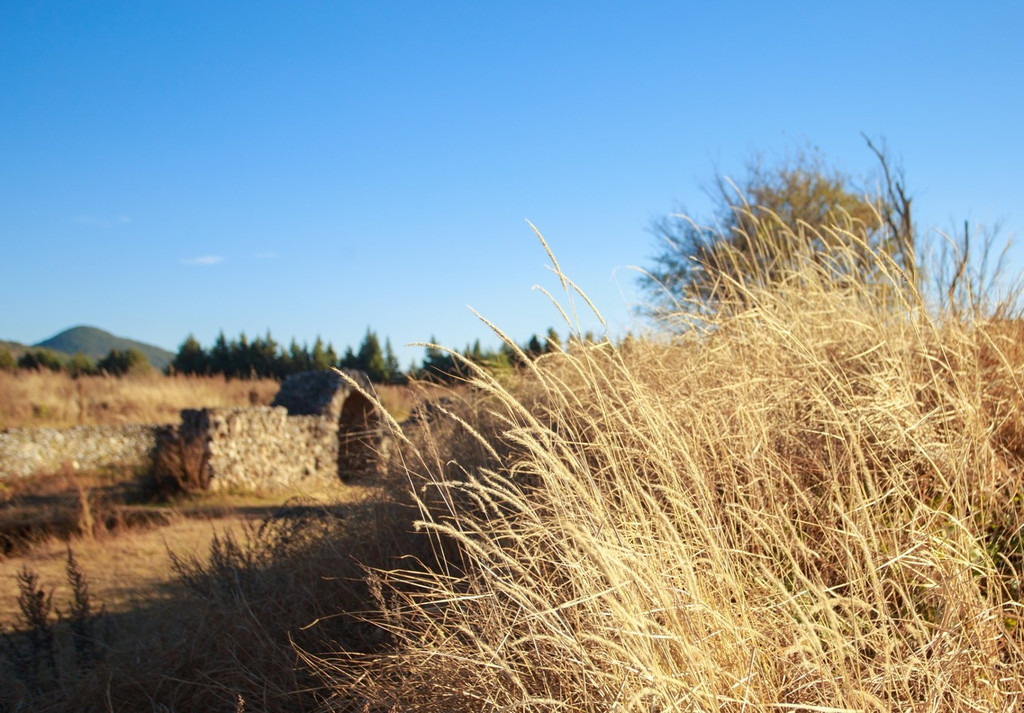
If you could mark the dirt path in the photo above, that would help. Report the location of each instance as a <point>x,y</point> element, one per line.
<point>121,569</point>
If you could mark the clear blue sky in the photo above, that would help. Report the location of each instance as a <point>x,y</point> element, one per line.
<point>315,168</point>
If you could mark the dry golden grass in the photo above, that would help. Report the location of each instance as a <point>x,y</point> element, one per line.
<point>131,564</point>
<point>30,398</point>
<point>44,398</point>
<point>397,400</point>
<point>810,500</point>
<point>123,569</point>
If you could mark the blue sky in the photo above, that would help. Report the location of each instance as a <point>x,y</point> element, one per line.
<point>316,168</point>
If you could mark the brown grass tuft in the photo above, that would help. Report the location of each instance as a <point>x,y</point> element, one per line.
<point>807,500</point>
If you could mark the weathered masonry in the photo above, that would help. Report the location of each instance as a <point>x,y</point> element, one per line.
<point>359,428</point>
<point>317,430</point>
<point>24,451</point>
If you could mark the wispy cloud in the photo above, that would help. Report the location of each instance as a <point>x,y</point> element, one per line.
<point>265,256</point>
<point>103,221</point>
<point>203,260</point>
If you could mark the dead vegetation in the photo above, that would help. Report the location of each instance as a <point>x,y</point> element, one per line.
<point>809,498</point>
<point>44,398</point>
<point>803,496</point>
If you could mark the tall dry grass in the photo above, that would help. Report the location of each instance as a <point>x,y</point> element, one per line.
<point>805,495</point>
<point>43,398</point>
<point>810,498</point>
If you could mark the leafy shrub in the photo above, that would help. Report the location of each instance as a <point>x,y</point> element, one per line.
<point>39,359</point>
<point>81,365</point>
<point>120,363</point>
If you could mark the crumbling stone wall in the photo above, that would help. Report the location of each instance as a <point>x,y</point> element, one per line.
<point>360,431</point>
<point>25,451</point>
<point>262,447</point>
<point>319,393</point>
<point>319,429</point>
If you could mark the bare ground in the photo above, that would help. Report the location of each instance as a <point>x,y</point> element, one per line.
<point>132,567</point>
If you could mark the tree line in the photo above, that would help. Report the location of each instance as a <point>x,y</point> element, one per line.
<point>444,365</point>
<point>117,362</point>
<point>263,357</point>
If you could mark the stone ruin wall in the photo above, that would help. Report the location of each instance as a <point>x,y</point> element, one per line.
<point>25,451</point>
<point>262,447</point>
<point>318,430</point>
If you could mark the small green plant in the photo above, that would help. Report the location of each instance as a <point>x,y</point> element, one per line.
<point>42,411</point>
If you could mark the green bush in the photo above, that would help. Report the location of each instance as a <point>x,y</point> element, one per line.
<point>81,365</point>
<point>119,363</point>
<point>39,359</point>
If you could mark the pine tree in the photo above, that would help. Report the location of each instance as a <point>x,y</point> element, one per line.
<point>263,360</point>
<point>533,347</point>
<point>392,370</point>
<point>553,343</point>
<point>220,356</point>
<point>319,358</point>
<point>438,365</point>
<point>191,358</point>
<point>370,358</point>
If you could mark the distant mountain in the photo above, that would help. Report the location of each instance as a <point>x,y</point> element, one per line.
<point>96,344</point>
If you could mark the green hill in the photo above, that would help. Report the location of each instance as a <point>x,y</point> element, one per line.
<point>96,344</point>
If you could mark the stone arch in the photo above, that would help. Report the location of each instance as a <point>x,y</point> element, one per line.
<point>359,437</point>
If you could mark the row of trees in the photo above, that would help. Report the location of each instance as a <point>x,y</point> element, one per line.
<point>440,364</point>
<point>263,357</point>
<point>117,362</point>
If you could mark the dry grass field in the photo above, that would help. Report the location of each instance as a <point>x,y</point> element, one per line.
<point>801,494</point>
<point>43,398</point>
